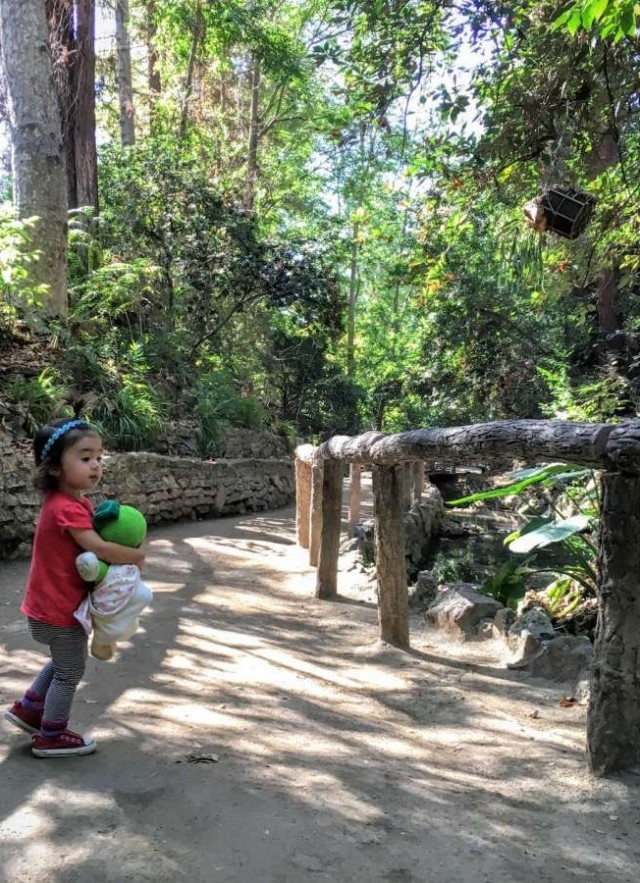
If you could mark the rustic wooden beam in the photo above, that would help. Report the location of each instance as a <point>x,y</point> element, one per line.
<point>355,495</point>
<point>391,568</point>
<point>317,472</point>
<point>613,718</point>
<point>534,441</point>
<point>327,573</point>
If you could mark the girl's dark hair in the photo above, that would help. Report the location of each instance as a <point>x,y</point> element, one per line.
<point>48,455</point>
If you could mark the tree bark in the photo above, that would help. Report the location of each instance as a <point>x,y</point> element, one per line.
<point>72,38</point>
<point>125,85</point>
<point>391,568</point>
<point>254,134</point>
<point>327,575</point>
<point>84,79</point>
<point>40,186</point>
<point>613,723</point>
<point>154,80</point>
<point>351,303</point>
<point>188,86</point>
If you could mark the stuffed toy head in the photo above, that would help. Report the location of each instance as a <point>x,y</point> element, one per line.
<point>120,524</point>
<point>115,524</point>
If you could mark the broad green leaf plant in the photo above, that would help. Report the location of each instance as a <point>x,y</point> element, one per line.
<point>570,524</point>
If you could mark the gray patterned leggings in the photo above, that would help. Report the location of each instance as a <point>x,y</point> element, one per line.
<point>57,682</point>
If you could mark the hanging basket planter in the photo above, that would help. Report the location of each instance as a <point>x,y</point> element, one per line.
<point>562,210</point>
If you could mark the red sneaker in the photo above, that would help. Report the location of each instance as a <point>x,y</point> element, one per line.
<point>65,744</point>
<point>23,718</point>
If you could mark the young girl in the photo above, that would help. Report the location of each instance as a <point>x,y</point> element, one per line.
<point>68,455</point>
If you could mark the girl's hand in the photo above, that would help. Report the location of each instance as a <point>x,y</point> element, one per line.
<point>112,553</point>
<point>138,557</point>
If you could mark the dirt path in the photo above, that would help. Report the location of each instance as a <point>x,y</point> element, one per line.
<point>338,760</point>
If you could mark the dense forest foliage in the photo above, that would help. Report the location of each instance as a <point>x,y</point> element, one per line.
<point>308,215</point>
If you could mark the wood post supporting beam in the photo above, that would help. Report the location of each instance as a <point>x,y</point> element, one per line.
<point>303,499</point>
<point>317,472</point>
<point>355,495</point>
<point>613,719</point>
<point>327,575</point>
<point>393,601</point>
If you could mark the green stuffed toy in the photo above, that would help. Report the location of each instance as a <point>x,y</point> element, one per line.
<point>112,607</point>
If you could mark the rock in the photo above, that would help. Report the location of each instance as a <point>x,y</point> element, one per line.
<point>582,687</point>
<point>527,637</point>
<point>502,622</point>
<point>424,592</point>
<point>460,609</point>
<point>565,658</point>
<point>484,629</point>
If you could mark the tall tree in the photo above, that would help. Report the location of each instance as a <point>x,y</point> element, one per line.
<point>125,87</point>
<point>40,187</point>
<point>72,39</point>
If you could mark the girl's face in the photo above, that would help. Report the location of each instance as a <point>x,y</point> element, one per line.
<point>81,466</point>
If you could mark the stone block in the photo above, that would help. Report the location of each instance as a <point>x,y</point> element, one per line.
<point>459,609</point>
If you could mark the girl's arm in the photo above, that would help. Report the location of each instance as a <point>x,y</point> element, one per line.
<point>112,553</point>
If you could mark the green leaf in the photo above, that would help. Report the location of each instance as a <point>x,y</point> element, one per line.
<point>574,23</point>
<point>549,533</point>
<point>599,8</point>
<point>534,524</point>
<point>525,478</point>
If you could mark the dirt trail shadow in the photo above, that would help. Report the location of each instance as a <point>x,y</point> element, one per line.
<point>251,733</point>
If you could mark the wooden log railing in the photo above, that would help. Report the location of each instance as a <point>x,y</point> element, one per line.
<point>398,462</point>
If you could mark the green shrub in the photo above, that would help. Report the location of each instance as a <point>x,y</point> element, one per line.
<point>40,398</point>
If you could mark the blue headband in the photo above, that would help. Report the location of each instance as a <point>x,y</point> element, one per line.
<point>58,434</point>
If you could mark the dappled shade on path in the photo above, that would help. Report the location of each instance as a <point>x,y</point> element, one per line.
<point>337,758</point>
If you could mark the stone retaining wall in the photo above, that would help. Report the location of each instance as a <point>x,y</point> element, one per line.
<point>164,488</point>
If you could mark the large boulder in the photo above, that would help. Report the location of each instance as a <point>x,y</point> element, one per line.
<point>462,610</point>
<point>527,637</point>
<point>565,658</point>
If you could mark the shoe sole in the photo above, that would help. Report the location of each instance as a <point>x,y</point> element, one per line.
<point>64,752</point>
<point>17,722</point>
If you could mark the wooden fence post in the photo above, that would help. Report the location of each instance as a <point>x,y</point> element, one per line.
<point>393,600</point>
<point>613,720</point>
<point>417,482</point>
<point>355,494</point>
<point>303,494</point>
<point>317,473</point>
<point>327,574</point>
<point>406,486</point>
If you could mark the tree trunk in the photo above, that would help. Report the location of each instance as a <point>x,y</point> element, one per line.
<point>607,298</point>
<point>613,724</point>
<point>40,186</point>
<point>154,81</point>
<point>84,98</point>
<point>125,87</point>
<point>391,568</point>
<point>254,134</point>
<point>72,38</point>
<point>188,86</point>
<point>351,303</point>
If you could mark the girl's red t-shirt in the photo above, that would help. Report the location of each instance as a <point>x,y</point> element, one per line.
<point>54,586</point>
